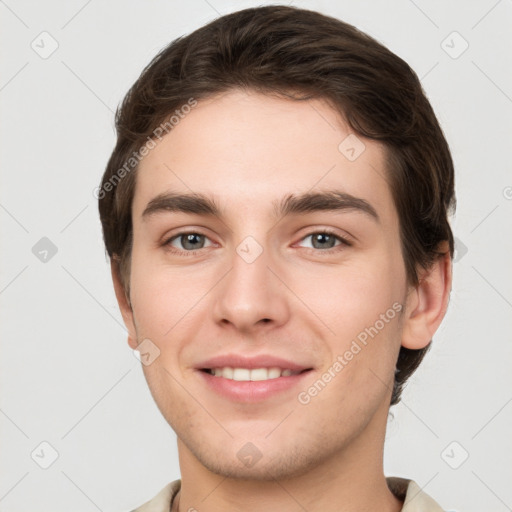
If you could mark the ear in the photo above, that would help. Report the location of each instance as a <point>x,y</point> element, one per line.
<point>427,302</point>
<point>123,302</point>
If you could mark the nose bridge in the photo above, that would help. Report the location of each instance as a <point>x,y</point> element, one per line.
<point>250,293</point>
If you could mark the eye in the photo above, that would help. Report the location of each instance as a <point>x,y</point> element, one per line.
<point>325,240</point>
<point>187,242</point>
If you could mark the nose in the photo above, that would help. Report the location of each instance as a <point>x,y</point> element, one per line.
<point>252,297</point>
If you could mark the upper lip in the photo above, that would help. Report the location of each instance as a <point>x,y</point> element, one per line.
<point>259,361</point>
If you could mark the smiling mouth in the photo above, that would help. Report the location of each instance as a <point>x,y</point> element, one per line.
<point>252,374</point>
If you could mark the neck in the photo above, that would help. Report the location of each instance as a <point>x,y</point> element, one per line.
<point>351,479</point>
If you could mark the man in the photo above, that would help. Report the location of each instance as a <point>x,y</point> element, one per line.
<point>275,211</point>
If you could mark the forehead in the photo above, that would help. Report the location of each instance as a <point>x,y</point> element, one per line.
<point>250,150</point>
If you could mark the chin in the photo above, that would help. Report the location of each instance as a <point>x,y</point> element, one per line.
<point>286,462</point>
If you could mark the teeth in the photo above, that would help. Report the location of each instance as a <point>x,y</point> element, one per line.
<point>241,374</point>
<point>255,374</point>
<point>274,373</point>
<point>259,374</point>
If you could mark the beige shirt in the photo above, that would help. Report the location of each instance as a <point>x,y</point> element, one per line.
<point>415,500</point>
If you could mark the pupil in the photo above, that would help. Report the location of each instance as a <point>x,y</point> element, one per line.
<point>322,238</point>
<point>190,239</point>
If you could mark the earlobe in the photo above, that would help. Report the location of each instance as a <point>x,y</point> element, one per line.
<point>123,302</point>
<point>427,303</point>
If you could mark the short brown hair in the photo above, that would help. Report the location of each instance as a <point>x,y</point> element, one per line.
<point>299,54</point>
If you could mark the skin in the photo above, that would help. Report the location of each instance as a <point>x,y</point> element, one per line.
<point>246,150</point>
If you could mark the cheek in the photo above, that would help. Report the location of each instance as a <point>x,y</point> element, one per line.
<point>169,305</point>
<point>361,304</point>
<point>160,296</point>
<point>352,298</point>
<point>150,301</point>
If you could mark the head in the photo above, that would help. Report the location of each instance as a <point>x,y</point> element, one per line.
<point>256,106</point>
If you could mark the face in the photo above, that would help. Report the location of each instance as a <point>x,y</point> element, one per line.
<point>290,273</point>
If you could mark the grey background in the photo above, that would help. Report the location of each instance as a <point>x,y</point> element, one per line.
<point>68,377</point>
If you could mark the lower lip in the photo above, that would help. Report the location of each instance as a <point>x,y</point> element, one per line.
<point>252,391</point>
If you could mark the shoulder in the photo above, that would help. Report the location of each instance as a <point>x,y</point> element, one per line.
<point>414,498</point>
<point>162,501</point>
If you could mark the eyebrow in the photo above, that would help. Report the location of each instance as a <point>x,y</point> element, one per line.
<point>308,202</point>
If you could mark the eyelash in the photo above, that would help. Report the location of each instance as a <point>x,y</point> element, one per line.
<point>344,242</point>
